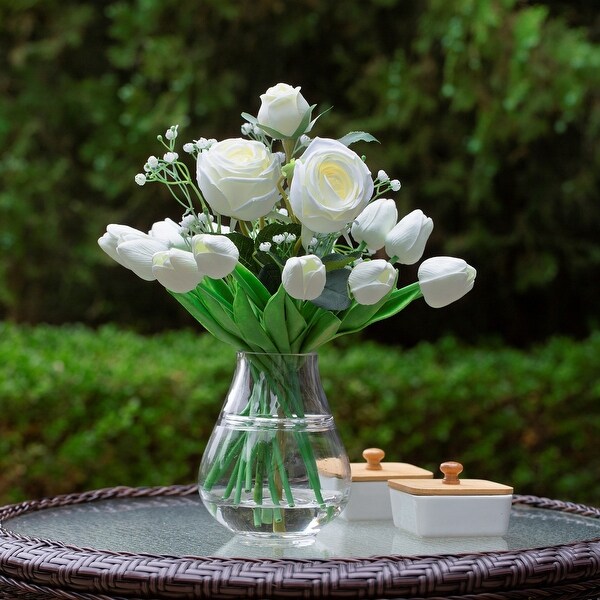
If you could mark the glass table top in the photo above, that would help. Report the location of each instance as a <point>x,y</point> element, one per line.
<point>181,526</point>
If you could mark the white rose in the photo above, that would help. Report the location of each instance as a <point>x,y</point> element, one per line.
<point>303,277</point>
<point>444,279</point>
<point>238,178</point>
<point>374,223</point>
<point>176,270</point>
<point>330,187</point>
<point>215,255</point>
<point>283,108</point>
<point>406,241</point>
<point>371,280</point>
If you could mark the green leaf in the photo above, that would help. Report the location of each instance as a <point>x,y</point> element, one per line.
<point>270,276</point>
<point>252,286</point>
<point>296,324</point>
<point>274,321</point>
<point>323,329</point>
<point>339,261</point>
<point>398,300</point>
<point>249,324</point>
<point>245,247</point>
<point>357,136</point>
<point>193,304</point>
<point>335,295</point>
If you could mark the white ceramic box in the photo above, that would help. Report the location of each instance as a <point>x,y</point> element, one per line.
<point>369,493</point>
<point>451,507</point>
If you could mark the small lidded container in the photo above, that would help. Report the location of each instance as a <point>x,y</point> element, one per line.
<point>369,495</point>
<point>451,507</point>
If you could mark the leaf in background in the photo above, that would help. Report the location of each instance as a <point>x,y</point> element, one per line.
<point>245,247</point>
<point>335,295</point>
<point>357,136</point>
<point>270,277</point>
<point>339,261</point>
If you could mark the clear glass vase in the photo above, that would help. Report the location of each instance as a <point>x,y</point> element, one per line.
<point>275,467</point>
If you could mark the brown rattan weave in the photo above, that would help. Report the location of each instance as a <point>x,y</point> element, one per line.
<point>41,569</point>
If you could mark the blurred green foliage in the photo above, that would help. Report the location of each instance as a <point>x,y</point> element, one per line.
<point>84,409</point>
<point>487,110</point>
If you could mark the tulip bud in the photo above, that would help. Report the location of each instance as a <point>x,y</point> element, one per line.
<point>216,255</point>
<point>406,241</point>
<point>374,223</point>
<point>114,236</point>
<point>444,279</point>
<point>136,254</point>
<point>169,232</point>
<point>371,280</point>
<point>304,277</point>
<point>176,270</point>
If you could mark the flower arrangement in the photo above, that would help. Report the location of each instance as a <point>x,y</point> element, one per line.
<point>279,250</point>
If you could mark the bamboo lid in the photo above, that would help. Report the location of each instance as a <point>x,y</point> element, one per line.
<point>450,485</point>
<point>375,470</point>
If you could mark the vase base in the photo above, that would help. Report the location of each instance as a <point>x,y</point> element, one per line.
<point>276,541</point>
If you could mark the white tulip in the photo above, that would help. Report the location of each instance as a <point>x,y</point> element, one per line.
<point>283,108</point>
<point>215,255</point>
<point>238,178</point>
<point>136,254</point>
<point>167,231</point>
<point>303,277</point>
<point>444,279</point>
<point>406,241</point>
<point>371,280</point>
<point>374,223</point>
<point>114,236</point>
<point>331,186</point>
<point>176,270</point>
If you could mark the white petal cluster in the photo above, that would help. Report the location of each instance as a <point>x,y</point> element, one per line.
<point>331,186</point>
<point>238,178</point>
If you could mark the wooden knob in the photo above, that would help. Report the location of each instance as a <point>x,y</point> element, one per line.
<point>451,470</point>
<point>373,456</point>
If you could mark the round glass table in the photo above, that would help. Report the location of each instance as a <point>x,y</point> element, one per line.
<point>162,543</point>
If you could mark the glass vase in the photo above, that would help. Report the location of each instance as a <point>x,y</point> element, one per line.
<point>275,467</point>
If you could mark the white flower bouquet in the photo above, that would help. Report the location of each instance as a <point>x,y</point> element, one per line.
<point>279,252</point>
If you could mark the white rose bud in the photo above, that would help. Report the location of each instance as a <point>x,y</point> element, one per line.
<point>216,255</point>
<point>374,223</point>
<point>371,280</point>
<point>238,178</point>
<point>303,277</point>
<point>283,108</point>
<point>444,279</point>
<point>406,241</point>
<point>176,270</point>
<point>331,186</point>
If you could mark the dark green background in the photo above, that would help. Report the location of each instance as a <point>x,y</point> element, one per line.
<point>488,111</point>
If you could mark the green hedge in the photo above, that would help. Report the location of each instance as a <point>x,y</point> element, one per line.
<point>83,409</point>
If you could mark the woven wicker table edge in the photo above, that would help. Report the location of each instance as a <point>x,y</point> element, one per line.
<point>89,573</point>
